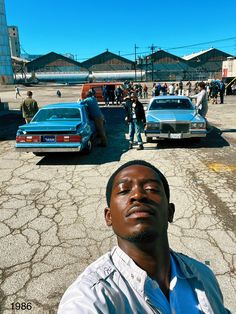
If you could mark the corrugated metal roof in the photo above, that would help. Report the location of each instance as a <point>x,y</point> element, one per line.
<point>196,54</point>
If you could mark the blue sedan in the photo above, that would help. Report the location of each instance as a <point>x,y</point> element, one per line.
<point>64,127</point>
<point>173,117</point>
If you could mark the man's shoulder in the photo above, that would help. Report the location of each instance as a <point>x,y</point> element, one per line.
<point>96,271</point>
<point>192,266</point>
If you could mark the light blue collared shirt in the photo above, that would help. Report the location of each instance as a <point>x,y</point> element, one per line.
<point>182,299</point>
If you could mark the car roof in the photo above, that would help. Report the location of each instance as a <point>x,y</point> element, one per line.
<point>170,97</point>
<point>63,105</point>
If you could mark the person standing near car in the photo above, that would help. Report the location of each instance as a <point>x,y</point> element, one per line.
<point>29,107</point>
<point>222,91</point>
<point>135,116</point>
<point>96,115</point>
<point>201,103</point>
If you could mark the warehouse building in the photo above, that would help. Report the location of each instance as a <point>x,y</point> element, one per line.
<point>164,66</point>
<point>207,64</point>
<point>54,62</point>
<point>108,61</point>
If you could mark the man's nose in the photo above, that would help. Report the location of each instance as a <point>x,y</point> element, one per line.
<point>138,193</point>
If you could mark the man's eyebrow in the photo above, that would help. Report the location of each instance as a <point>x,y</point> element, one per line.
<point>148,180</point>
<point>152,180</point>
<point>121,181</point>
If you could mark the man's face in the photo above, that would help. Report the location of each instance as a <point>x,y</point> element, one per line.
<point>139,208</point>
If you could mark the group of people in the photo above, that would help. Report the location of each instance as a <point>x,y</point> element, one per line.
<point>111,95</point>
<point>171,89</point>
<point>118,94</point>
<point>215,88</point>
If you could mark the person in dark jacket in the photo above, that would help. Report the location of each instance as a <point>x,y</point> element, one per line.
<point>135,116</point>
<point>29,107</point>
<point>222,91</point>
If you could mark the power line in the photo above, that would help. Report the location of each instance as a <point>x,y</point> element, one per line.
<point>204,43</point>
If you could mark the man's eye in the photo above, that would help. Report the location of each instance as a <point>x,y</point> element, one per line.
<point>123,191</point>
<point>153,189</point>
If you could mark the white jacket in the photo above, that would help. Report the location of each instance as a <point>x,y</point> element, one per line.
<point>102,289</point>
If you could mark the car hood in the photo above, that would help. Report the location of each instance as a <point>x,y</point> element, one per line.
<point>51,126</point>
<point>173,115</point>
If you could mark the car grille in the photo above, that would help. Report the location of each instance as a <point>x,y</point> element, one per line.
<point>174,128</point>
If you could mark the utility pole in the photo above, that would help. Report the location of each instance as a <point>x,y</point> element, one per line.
<point>152,51</point>
<point>135,62</point>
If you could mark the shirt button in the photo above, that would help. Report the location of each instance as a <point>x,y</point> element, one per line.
<point>132,276</point>
<point>139,279</point>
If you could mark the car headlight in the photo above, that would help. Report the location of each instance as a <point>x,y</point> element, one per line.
<point>153,126</point>
<point>198,125</point>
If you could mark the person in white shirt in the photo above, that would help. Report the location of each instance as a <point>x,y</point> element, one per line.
<point>171,89</point>
<point>201,103</point>
<point>142,274</point>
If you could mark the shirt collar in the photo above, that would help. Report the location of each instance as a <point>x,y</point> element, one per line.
<point>127,267</point>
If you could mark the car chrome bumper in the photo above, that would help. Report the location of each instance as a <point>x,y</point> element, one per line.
<point>175,135</point>
<point>47,150</point>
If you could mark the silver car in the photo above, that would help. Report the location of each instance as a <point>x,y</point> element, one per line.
<point>173,117</point>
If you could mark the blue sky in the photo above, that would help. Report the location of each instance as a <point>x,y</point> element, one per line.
<point>87,28</point>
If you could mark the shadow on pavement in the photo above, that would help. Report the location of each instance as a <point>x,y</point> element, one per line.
<point>228,131</point>
<point>9,123</point>
<point>117,144</point>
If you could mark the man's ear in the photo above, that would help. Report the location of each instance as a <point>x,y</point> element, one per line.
<point>171,212</point>
<point>108,217</point>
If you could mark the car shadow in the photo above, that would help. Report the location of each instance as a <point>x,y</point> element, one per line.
<point>117,144</point>
<point>228,130</point>
<point>214,139</point>
<point>9,123</point>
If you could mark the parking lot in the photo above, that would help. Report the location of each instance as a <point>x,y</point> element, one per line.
<point>51,208</point>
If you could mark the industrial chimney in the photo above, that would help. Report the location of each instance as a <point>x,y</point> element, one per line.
<point>6,73</point>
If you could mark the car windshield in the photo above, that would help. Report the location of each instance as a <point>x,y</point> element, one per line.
<point>166,104</point>
<point>57,114</point>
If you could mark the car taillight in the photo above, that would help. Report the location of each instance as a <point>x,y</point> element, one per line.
<point>68,138</point>
<point>28,139</point>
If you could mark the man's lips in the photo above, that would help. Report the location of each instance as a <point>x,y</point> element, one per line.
<point>140,210</point>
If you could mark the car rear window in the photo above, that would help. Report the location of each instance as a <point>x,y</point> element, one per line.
<point>166,104</point>
<point>57,114</point>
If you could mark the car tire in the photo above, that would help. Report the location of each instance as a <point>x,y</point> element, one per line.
<point>87,150</point>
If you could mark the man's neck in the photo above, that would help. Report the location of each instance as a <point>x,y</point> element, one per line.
<point>153,258</point>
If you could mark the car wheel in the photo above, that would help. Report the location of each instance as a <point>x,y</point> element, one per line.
<point>149,139</point>
<point>87,150</point>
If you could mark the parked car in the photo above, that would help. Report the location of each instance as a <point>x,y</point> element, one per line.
<point>173,117</point>
<point>63,127</point>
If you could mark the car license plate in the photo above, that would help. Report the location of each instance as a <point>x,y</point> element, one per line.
<point>49,139</point>
<point>176,135</point>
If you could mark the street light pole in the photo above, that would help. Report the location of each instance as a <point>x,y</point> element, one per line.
<point>135,62</point>
<point>152,50</point>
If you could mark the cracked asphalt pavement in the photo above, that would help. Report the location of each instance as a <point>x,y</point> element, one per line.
<point>51,208</point>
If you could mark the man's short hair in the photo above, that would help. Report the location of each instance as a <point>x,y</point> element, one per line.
<point>202,85</point>
<point>141,163</point>
<point>29,93</point>
<point>89,93</point>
